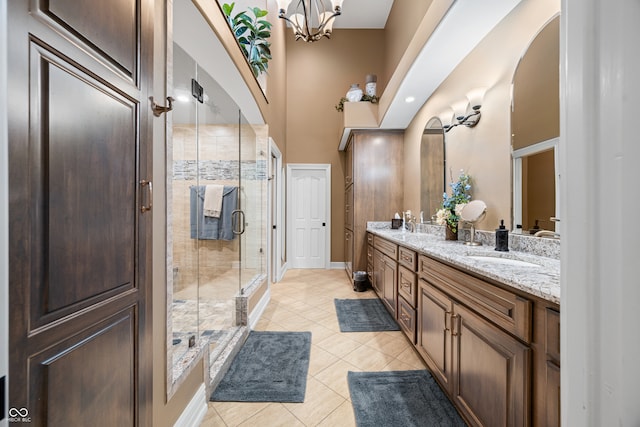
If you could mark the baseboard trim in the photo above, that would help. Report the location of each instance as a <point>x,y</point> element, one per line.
<point>195,411</point>
<point>256,313</point>
<point>337,265</point>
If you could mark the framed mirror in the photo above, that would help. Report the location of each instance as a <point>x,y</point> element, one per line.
<point>536,186</point>
<point>535,128</point>
<point>432,168</point>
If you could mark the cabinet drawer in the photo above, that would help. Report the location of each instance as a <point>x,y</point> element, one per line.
<point>369,239</point>
<point>552,339</point>
<point>408,285</point>
<point>386,247</point>
<point>369,254</point>
<point>407,319</point>
<point>408,258</point>
<point>506,309</point>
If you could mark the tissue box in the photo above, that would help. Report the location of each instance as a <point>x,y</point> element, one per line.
<point>396,223</point>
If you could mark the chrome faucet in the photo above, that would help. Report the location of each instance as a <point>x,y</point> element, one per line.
<point>410,224</point>
<point>547,233</point>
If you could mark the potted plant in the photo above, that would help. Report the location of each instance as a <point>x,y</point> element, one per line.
<point>449,213</point>
<point>252,34</point>
<point>372,99</point>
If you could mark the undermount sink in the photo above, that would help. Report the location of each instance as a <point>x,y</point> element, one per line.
<point>503,261</point>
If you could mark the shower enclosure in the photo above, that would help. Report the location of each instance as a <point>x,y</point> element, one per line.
<point>217,168</point>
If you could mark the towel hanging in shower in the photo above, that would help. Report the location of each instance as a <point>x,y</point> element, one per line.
<point>209,228</point>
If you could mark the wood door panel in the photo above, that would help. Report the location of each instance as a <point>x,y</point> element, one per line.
<point>103,26</point>
<point>85,147</point>
<point>491,371</point>
<point>88,377</point>
<point>434,334</point>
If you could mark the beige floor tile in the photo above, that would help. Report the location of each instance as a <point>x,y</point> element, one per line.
<point>304,300</point>
<point>213,419</point>
<point>391,345</point>
<point>342,417</point>
<point>320,359</point>
<point>319,401</point>
<point>339,344</point>
<point>396,365</point>
<point>274,415</point>
<point>368,359</point>
<point>335,377</point>
<point>362,337</point>
<point>234,413</point>
<point>319,332</point>
<point>410,357</point>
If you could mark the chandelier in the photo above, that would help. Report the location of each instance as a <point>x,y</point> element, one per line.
<point>311,20</point>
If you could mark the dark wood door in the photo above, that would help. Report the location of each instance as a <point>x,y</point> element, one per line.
<point>390,282</point>
<point>491,372</point>
<point>79,153</point>
<point>434,331</point>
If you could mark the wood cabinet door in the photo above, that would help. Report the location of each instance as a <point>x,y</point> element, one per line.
<point>552,393</point>
<point>390,286</point>
<point>434,333</point>
<point>378,272</point>
<point>80,251</point>
<point>348,252</point>
<point>491,372</point>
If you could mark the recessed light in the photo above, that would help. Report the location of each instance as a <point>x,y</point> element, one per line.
<point>409,99</point>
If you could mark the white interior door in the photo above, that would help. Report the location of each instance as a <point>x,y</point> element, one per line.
<point>309,213</point>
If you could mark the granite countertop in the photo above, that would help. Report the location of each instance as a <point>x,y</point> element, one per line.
<point>534,274</point>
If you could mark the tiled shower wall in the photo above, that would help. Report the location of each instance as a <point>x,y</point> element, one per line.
<point>218,162</point>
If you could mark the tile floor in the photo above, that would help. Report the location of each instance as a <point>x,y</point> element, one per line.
<point>303,301</point>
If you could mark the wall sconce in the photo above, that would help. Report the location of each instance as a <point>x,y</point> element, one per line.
<point>471,116</point>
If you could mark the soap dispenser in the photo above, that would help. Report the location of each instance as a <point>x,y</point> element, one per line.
<point>502,238</point>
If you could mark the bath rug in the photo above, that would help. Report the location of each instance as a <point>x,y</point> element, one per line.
<point>364,315</point>
<point>270,367</point>
<point>400,398</point>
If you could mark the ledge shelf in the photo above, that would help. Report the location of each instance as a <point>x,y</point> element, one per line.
<point>358,115</point>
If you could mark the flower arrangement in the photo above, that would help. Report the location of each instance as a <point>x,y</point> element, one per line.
<point>449,212</point>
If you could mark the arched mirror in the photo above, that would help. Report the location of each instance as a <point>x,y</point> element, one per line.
<point>432,167</point>
<point>535,128</point>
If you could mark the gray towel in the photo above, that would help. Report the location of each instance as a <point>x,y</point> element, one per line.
<point>208,228</point>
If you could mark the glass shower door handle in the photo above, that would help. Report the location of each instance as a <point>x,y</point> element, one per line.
<point>238,214</point>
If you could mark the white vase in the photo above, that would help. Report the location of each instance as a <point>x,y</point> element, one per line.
<point>354,94</point>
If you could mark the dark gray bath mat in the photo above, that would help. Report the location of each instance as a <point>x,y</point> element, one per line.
<point>400,398</point>
<point>364,315</point>
<point>270,367</point>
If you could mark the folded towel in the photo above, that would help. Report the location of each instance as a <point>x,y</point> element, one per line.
<point>213,200</point>
<point>208,228</point>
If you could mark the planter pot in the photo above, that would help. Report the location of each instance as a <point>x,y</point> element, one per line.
<point>449,234</point>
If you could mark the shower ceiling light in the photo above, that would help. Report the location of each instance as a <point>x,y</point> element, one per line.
<point>311,20</point>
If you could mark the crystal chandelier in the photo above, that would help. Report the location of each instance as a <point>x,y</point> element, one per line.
<point>311,20</point>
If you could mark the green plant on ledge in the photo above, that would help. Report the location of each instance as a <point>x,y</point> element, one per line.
<point>252,35</point>
<point>371,99</point>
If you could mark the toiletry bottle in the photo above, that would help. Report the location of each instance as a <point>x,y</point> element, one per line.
<point>502,238</point>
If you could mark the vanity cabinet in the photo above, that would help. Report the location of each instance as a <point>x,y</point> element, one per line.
<point>373,188</point>
<point>484,369</point>
<point>494,349</point>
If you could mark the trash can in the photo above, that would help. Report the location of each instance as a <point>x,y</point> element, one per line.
<point>360,281</point>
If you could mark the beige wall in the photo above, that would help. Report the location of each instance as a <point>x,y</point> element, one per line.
<point>404,18</point>
<point>318,75</point>
<point>277,79</point>
<point>483,151</point>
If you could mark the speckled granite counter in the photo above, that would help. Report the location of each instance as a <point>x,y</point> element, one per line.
<point>540,277</point>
